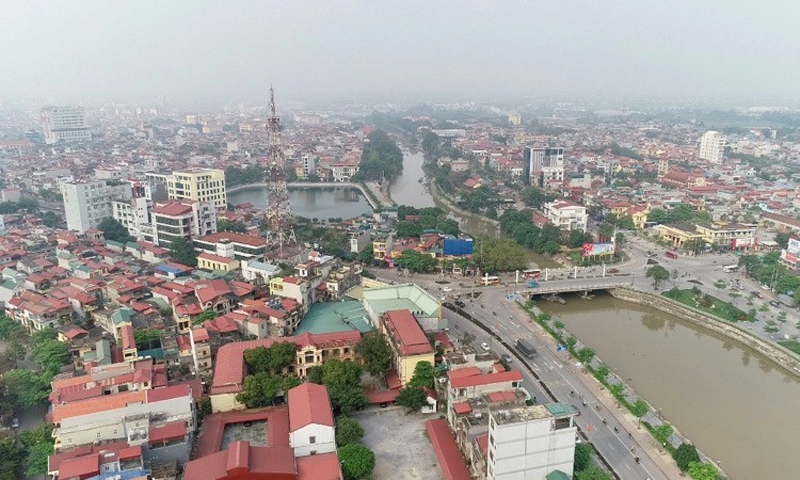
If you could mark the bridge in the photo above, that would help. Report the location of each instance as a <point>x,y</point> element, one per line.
<point>586,284</point>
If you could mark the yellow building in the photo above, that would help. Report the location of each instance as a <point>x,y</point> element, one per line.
<point>731,235</point>
<point>678,234</point>
<point>209,261</point>
<point>201,184</point>
<point>638,215</point>
<point>408,342</point>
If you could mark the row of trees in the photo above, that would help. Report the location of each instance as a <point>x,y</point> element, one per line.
<point>546,240</point>
<point>25,204</point>
<point>430,218</point>
<point>768,271</point>
<point>381,157</point>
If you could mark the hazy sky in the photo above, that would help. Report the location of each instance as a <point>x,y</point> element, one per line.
<point>434,50</point>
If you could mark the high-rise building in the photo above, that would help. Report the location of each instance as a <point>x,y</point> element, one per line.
<point>201,184</point>
<point>134,213</point>
<point>182,219</point>
<point>65,124</point>
<point>712,147</point>
<point>542,166</point>
<point>86,204</point>
<point>514,119</point>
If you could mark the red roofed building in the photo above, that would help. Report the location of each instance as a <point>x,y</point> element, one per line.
<point>311,427</point>
<point>409,343</point>
<point>182,219</point>
<point>451,462</point>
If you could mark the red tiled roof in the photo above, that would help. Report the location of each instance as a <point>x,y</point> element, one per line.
<point>450,460</point>
<point>200,335</point>
<point>486,379</point>
<point>80,467</point>
<point>497,397</point>
<point>277,424</point>
<point>407,333</point>
<point>173,208</point>
<point>128,340</point>
<point>170,431</point>
<point>233,237</point>
<point>463,372</point>
<point>319,467</point>
<point>483,443</point>
<point>240,459</point>
<point>216,258</point>
<point>309,403</point>
<point>375,397</point>
<point>462,407</point>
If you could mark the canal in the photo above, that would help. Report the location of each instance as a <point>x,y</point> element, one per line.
<point>734,404</point>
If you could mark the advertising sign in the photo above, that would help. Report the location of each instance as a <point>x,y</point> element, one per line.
<point>794,245</point>
<point>742,242</point>
<point>457,247</point>
<point>789,257</point>
<point>597,249</point>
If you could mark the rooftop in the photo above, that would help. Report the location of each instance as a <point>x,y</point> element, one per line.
<point>406,333</point>
<point>329,317</point>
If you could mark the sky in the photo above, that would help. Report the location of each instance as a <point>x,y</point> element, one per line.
<point>442,50</point>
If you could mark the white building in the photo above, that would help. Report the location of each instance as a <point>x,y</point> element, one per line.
<point>530,442</point>
<point>311,426</point>
<point>255,271</point>
<point>712,147</point>
<point>86,204</point>
<point>134,213</point>
<point>182,219</point>
<point>567,215</point>
<point>202,184</point>
<point>65,124</point>
<point>543,165</point>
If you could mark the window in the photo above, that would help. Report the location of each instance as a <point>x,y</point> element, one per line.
<point>312,440</point>
<point>313,452</point>
<point>98,434</point>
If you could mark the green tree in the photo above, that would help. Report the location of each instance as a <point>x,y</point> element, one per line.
<point>26,388</point>
<point>357,462</point>
<point>50,219</point>
<point>413,398</point>
<point>314,374</point>
<point>625,223</point>
<point>685,454</point>
<point>8,327</point>
<point>237,226</point>
<point>601,372</point>
<point>273,360</point>
<point>658,274</point>
<point>182,251</point>
<point>208,314</point>
<point>639,408</point>
<point>367,255</point>
<point>535,197</point>
<point>380,157</point>
<point>702,471</point>
<point>11,458</point>
<point>147,338</point>
<point>501,255</point>
<point>375,352</point>
<point>583,456</point>
<point>348,431</point>
<point>577,238</point>
<point>39,444</point>
<point>343,379</point>
<point>662,432</point>
<point>262,389</point>
<point>593,473</point>
<point>51,355</point>
<point>423,375</point>
<point>113,230</point>
<point>416,262</point>
<point>585,355</point>
<point>430,144</point>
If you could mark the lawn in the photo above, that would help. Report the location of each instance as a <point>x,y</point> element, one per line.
<point>792,345</point>
<point>707,303</point>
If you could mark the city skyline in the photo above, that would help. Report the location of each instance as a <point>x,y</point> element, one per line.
<point>192,52</point>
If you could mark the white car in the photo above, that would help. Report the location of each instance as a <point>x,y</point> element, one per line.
<point>485,346</point>
<point>447,289</point>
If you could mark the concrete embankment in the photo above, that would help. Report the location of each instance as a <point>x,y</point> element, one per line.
<point>373,199</point>
<point>779,355</point>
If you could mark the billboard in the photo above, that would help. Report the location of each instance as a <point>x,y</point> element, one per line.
<point>590,249</point>
<point>457,247</point>
<point>743,242</point>
<point>789,257</point>
<point>794,245</point>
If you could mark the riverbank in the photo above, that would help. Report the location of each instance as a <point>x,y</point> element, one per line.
<point>779,355</point>
<point>376,201</point>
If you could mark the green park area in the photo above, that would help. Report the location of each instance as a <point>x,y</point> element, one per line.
<point>697,299</point>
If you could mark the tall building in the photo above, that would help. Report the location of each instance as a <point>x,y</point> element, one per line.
<point>134,213</point>
<point>712,147</point>
<point>182,219</point>
<point>67,124</point>
<point>514,119</point>
<point>200,184</point>
<point>86,204</point>
<point>542,166</point>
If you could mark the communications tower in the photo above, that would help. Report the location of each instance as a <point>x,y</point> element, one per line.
<point>279,217</point>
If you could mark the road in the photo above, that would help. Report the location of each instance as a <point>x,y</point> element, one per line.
<point>561,376</point>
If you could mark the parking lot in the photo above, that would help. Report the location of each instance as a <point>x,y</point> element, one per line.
<point>402,450</point>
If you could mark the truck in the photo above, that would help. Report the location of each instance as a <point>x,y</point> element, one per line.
<point>671,254</point>
<point>730,268</point>
<point>525,347</point>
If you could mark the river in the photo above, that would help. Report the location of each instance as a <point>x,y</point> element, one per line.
<point>734,404</point>
<point>322,203</point>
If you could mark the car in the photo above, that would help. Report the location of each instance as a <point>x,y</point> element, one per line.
<point>775,303</point>
<point>508,358</point>
<point>485,346</point>
<point>460,304</point>
<point>447,289</point>
<point>612,270</point>
<point>15,422</point>
<point>765,287</point>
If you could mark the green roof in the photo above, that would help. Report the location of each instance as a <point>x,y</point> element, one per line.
<point>402,297</point>
<point>115,243</point>
<point>124,314</point>
<point>557,475</point>
<point>560,409</point>
<point>332,317</point>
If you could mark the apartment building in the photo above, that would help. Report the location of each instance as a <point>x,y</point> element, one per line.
<point>567,215</point>
<point>182,219</point>
<point>296,288</point>
<point>541,166</point>
<point>64,124</point>
<point>87,203</point>
<point>38,312</point>
<point>733,236</point>
<point>712,147</point>
<point>408,342</point>
<point>202,185</point>
<point>232,245</point>
<point>134,213</point>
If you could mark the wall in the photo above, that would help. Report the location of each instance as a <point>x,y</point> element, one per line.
<point>781,356</point>
<point>225,402</point>
<point>325,441</point>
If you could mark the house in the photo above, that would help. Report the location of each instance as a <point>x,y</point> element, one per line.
<point>311,426</point>
<point>567,215</point>
<point>209,261</point>
<point>408,342</point>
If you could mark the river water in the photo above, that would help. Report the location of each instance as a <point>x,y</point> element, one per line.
<point>734,404</point>
<point>310,202</point>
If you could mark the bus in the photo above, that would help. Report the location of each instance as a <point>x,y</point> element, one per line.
<point>532,273</point>
<point>486,281</point>
<point>671,254</point>
<point>730,268</point>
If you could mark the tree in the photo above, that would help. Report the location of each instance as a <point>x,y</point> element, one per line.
<point>51,355</point>
<point>658,274</point>
<point>8,327</point>
<point>50,219</point>
<point>583,456</point>
<point>702,471</point>
<point>11,458</point>
<point>224,225</point>
<point>39,444</point>
<point>416,262</point>
<point>348,431</point>
<point>343,379</point>
<point>146,338</point>
<point>357,461</point>
<point>262,389</point>
<point>380,157</point>
<point>273,360</point>
<point>662,433</point>
<point>625,222</point>
<point>535,197</point>
<point>314,374</point>
<point>593,473</point>
<point>113,230</point>
<point>375,352</point>
<point>423,375</point>
<point>577,238</point>
<point>182,251</point>
<point>367,255</point>
<point>685,454</point>
<point>501,255</point>
<point>431,144</point>
<point>585,355</point>
<point>413,398</point>
<point>26,388</point>
<point>639,408</point>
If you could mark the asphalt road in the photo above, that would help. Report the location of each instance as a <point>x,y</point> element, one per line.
<point>561,376</point>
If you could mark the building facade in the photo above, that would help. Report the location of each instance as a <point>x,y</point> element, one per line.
<point>543,165</point>
<point>65,124</point>
<point>712,147</point>
<point>86,204</point>
<point>203,185</point>
<point>567,215</point>
<point>182,219</point>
